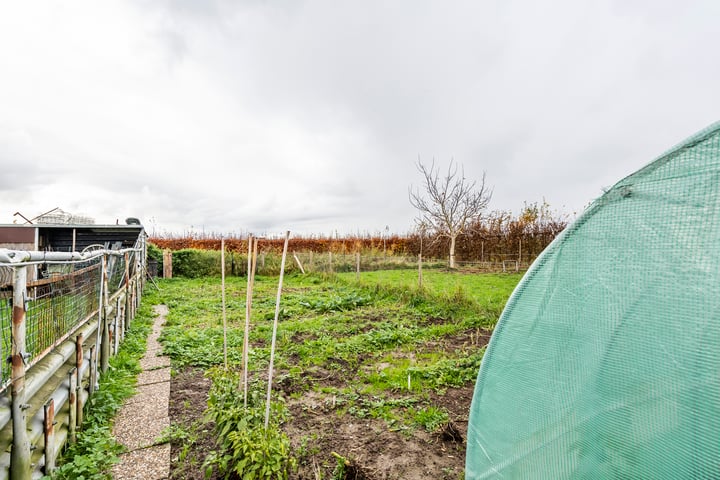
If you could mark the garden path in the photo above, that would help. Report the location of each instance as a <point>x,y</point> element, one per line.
<point>144,416</point>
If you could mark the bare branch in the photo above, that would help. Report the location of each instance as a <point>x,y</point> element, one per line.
<point>448,205</point>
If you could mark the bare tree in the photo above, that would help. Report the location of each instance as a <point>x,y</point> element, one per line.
<point>448,205</point>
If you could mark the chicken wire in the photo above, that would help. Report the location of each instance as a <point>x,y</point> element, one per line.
<point>58,304</point>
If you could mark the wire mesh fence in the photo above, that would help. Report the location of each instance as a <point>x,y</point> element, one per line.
<point>57,304</point>
<point>350,262</point>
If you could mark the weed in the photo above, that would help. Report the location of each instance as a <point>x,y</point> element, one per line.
<point>182,436</point>
<point>245,448</point>
<point>430,418</point>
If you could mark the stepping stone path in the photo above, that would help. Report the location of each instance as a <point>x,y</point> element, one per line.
<point>143,417</point>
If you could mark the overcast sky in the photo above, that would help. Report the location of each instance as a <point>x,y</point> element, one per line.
<point>262,116</point>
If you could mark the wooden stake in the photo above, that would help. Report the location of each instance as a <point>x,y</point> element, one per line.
<point>252,266</point>
<point>246,336</point>
<point>357,266</point>
<point>224,314</point>
<point>274,333</point>
<point>420,279</point>
<point>297,260</point>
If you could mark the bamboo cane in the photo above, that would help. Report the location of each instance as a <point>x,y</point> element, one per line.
<point>224,314</point>
<point>252,267</point>
<point>246,337</point>
<point>274,333</point>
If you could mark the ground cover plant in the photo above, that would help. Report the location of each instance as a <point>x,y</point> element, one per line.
<point>373,380</point>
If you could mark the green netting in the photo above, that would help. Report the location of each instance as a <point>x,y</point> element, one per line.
<point>606,360</point>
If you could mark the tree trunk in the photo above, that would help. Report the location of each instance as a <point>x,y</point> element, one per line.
<point>452,250</point>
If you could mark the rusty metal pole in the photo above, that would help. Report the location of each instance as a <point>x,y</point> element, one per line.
<point>93,369</point>
<point>72,405</point>
<point>49,433</point>
<point>20,453</point>
<point>78,380</point>
<point>127,291</point>
<point>117,328</point>
<point>105,342</point>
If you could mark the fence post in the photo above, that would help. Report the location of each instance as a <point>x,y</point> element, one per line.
<point>72,405</point>
<point>116,328</point>
<point>299,264</point>
<point>127,291</point>
<point>420,280</point>
<point>167,264</point>
<point>20,453</point>
<point>120,318</point>
<point>520,250</point>
<point>93,370</point>
<point>105,342</point>
<point>357,265</point>
<point>78,381</point>
<point>49,433</point>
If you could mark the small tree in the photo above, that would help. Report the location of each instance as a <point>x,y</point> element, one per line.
<point>449,205</point>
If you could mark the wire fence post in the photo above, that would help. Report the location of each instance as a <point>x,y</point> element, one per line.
<point>127,291</point>
<point>357,265</point>
<point>420,279</point>
<point>72,405</point>
<point>78,380</point>
<point>93,369</point>
<point>20,453</point>
<point>49,433</point>
<point>105,342</point>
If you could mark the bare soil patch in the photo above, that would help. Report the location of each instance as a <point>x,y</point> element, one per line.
<point>188,400</point>
<point>321,434</point>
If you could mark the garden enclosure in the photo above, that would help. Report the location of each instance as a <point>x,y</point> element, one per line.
<point>58,332</point>
<point>606,362</point>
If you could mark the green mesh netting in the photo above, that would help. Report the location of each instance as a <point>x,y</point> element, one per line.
<point>606,360</point>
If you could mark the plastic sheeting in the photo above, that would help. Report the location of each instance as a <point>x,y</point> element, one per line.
<point>606,360</point>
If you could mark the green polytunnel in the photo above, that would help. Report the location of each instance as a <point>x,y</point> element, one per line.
<point>605,363</point>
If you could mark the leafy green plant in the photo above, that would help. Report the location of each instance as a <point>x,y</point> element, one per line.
<point>245,448</point>
<point>181,436</point>
<point>430,418</point>
<point>193,263</point>
<point>336,303</point>
<point>453,372</point>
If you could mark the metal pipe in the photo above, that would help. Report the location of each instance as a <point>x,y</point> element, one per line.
<point>40,373</point>
<point>93,370</point>
<point>103,331</point>
<point>25,257</point>
<point>49,430</point>
<point>72,404</point>
<point>127,291</point>
<point>78,381</point>
<point>20,454</point>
